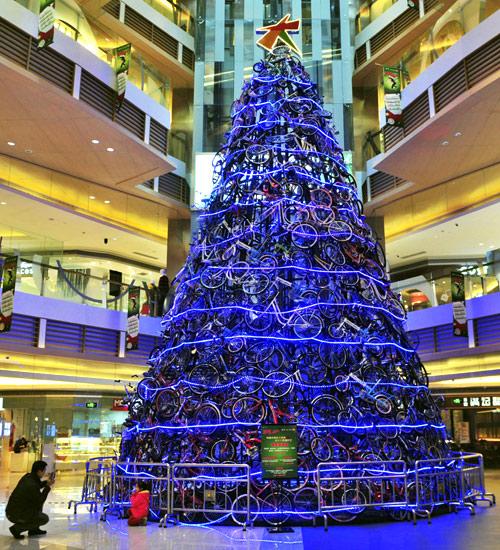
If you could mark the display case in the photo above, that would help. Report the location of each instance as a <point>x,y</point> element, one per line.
<point>71,453</point>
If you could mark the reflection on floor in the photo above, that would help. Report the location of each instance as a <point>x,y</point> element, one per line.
<point>84,531</point>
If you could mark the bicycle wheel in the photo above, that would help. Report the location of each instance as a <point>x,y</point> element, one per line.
<point>306,503</point>
<point>203,378</point>
<point>240,506</point>
<point>212,278</point>
<point>249,410</point>
<point>223,450</point>
<point>277,384</point>
<point>321,449</point>
<point>304,235</point>
<point>208,415</point>
<point>167,404</point>
<point>325,409</point>
<point>220,506</point>
<point>255,283</point>
<point>248,380</point>
<point>307,325</point>
<point>258,154</point>
<point>258,321</point>
<point>276,508</point>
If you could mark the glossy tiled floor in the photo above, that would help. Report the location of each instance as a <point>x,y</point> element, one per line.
<point>84,531</point>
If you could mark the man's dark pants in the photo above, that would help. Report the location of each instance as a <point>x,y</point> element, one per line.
<point>30,525</point>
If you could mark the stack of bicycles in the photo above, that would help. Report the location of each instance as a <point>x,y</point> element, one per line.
<point>283,312</point>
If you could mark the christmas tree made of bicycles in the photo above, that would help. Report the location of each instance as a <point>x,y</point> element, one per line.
<point>283,312</point>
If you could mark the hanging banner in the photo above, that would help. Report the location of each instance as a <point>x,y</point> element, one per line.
<point>121,59</point>
<point>46,20</point>
<point>278,451</point>
<point>134,293</point>
<point>458,303</point>
<point>392,95</point>
<point>9,272</point>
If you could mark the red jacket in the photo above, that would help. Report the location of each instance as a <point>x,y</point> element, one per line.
<point>139,504</point>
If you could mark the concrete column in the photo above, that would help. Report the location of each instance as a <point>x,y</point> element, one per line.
<point>179,237</point>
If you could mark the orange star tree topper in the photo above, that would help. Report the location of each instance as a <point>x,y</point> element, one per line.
<point>280,31</point>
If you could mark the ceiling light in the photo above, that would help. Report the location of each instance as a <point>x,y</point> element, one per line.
<point>3,203</point>
<point>11,143</point>
<point>481,244</point>
<point>457,134</point>
<point>115,238</point>
<point>109,149</point>
<point>491,245</point>
<point>29,151</point>
<point>445,142</point>
<point>91,197</point>
<point>107,202</point>
<point>95,141</point>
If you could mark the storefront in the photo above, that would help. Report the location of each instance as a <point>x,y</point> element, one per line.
<point>65,430</point>
<point>473,420</point>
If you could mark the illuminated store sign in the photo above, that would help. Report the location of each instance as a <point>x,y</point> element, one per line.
<point>473,401</point>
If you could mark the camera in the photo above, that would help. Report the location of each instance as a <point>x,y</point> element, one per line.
<point>106,241</point>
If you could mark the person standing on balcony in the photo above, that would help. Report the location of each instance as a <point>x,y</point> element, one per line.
<point>24,508</point>
<point>163,288</point>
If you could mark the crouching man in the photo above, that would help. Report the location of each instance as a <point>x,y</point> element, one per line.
<point>24,508</point>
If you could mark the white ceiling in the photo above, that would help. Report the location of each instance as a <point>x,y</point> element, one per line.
<point>56,133</point>
<point>32,225</point>
<point>470,235</point>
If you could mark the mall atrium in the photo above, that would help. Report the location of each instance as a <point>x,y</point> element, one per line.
<point>250,273</point>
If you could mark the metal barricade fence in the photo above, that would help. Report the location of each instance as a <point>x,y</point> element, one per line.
<point>472,479</point>
<point>345,489</point>
<point>97,484</point>
<point>208,492</point>
<point>127,474</point>
<point>437,482</point>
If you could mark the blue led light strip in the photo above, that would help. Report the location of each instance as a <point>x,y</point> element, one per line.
<point>358,427</point>
<point>288,380</point>
<point>293,340</point>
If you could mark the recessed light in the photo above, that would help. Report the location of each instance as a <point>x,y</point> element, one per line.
<point>115,238</point>
<point>445,142</point>
<point>457,134</point>
<point>11,143</point>
<point>109,149</point>
<point>3,203</point>
<point>91,197</point>
<point>29,151</point>
<point>481,244</point>
<point>491,245</point>
<point>95,141</point>
<point>107,202</point>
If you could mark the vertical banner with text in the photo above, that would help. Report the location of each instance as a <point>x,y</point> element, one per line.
<point>134,294</point>
<point>121,56</point>
<point>392,95</point>
<point>46,20</point>
<point>458,303</point>
<point>9,272</point>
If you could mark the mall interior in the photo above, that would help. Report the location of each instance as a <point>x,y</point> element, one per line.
<point>99,195</point>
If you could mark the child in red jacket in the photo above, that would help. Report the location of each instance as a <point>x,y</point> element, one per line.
<point>139,504</point>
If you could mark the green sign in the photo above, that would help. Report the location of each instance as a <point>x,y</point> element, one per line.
<point>278,451</point>
<point>91,404</point>
<point>9,273</point>
<point>122,56</point>
<point>392,95</point>
<point>46,20</point>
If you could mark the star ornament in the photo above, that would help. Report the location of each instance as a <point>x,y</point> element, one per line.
<point>280,31</point>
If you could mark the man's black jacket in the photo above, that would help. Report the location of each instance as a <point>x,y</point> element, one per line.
<point>26,500</point>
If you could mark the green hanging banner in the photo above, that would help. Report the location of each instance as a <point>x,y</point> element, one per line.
<point>46,20</point>
<point>121,60</point>
<point>392,96</point>
<point>9,272</point>
<point>134,294</point>
<point>458,303</point>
